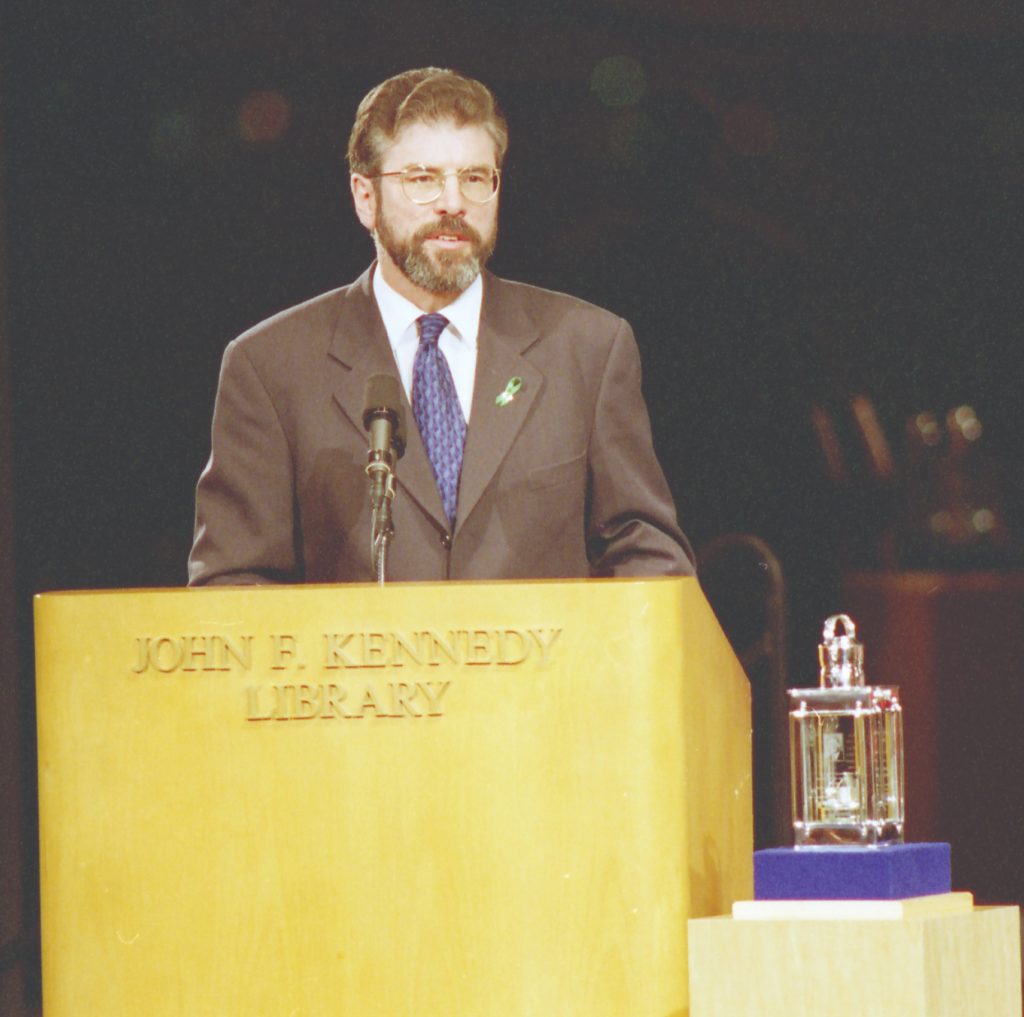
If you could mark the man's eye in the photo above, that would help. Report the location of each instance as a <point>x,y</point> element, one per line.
<point>421,177</point>
<point>474,177</point>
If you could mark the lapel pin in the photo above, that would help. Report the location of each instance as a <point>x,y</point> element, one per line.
<point>513,386</point>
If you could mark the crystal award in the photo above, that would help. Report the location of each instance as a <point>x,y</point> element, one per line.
<point>846,750</point>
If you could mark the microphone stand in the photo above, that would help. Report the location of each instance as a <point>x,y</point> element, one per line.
<point>380,470</point>
<point>384,418</point>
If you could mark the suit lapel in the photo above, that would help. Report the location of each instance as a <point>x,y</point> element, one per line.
<point>506,332</point>
<point>361,345</point>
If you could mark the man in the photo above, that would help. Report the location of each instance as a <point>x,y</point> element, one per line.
<point>529,450</point>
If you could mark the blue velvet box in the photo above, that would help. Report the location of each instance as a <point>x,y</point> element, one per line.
<point>892,872</point>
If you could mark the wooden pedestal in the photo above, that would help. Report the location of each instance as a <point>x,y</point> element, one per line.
<point>943,965</point>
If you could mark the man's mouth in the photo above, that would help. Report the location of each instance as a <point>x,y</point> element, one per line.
<point>449,232</point>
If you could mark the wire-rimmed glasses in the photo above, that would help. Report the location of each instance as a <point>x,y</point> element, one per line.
<point>424,184</point>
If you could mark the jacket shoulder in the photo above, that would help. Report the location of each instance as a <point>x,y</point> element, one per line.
<point>301,324</point>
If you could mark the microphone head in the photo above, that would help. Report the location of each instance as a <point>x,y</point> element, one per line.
<point>382,397</point>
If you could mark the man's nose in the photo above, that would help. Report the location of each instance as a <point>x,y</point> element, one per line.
<point>450,201</point>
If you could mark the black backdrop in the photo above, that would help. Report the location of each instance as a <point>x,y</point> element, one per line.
<point>786,214</point>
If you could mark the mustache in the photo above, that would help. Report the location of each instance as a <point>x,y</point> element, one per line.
<point>452,224</point>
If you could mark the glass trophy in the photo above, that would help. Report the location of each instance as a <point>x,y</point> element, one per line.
<point>846,750</point>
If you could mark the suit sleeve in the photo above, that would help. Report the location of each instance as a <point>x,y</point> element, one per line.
<point>245,501</point>
<point>631,526</point>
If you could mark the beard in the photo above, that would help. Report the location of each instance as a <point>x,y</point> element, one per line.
<point>440,271</point>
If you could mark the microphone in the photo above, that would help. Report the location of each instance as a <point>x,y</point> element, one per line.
<point>384,418</point>
<point>382,399</point>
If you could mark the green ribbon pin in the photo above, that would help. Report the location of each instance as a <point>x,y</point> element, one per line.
<point>513,386</point>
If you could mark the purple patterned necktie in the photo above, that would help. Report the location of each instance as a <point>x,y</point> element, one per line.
<point>435,404</point>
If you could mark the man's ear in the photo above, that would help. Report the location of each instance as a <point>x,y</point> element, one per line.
<point>364,197</point>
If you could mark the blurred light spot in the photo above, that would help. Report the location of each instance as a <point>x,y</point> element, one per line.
<point>619,81</point>
<point>928,429</point>
<point>750,129</point>
<point>629,135</point>
<point>967,422</point>
<point>264,117</point>
<point>941,522</point>
<point>983,520</point>
<point>173,140</point>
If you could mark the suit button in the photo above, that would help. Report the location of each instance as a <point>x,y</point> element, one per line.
<point>446,541</point>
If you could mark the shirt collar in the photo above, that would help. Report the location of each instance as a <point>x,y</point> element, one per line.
<point>399,314</point>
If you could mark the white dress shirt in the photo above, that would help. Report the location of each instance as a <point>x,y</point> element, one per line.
<point>457,342</point>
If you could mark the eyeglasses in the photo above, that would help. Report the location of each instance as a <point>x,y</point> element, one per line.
<point>422,185</point>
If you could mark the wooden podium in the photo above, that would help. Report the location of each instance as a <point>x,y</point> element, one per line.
<point>459,800</point>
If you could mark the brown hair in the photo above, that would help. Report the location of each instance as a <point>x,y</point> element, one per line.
<point>430,95</point>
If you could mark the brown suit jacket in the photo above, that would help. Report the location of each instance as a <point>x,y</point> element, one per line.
<point>562,482</point>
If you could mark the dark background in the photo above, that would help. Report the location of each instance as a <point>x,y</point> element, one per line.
<point>793,203</point>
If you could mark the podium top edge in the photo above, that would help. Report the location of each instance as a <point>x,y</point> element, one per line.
<point>263,589</point>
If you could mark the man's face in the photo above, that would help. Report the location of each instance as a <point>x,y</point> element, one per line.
<point>438,248</point>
